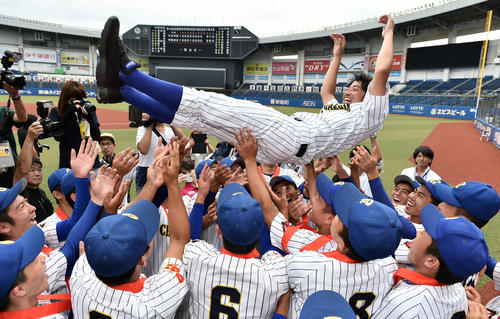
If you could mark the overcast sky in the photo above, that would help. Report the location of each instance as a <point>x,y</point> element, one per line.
<point>262,17</point>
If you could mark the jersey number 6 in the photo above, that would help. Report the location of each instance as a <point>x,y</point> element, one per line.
<point>216,308</point>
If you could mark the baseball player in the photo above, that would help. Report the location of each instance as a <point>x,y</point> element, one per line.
<point>107,281</point>
<point>24,279</point>
<point>233,282</point>
<point>161,242</point>
<point>433,289</point>
<point>366,233</point>
<point>298,139</point>
<point>403,187</point>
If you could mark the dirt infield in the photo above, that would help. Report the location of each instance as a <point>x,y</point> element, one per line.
<point>109,119</point>
<point>460,156</point>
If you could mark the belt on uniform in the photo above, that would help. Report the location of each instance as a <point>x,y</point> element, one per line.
<point>302,150</point>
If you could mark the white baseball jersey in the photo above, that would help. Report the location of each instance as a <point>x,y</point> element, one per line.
<point>56,264</point>
<point>189,202</point>
<point>280,137</point>
<point>234,287</point>
<point>493,307</point>
<point>50,231</point>
<point>292,239</point>
<point>496,276</point>
<point>155,297</point>
<point>363,285</point>
<point>401,253</point>
<point>161,242</point>
<point>428,174</point>
<point>413,300</point>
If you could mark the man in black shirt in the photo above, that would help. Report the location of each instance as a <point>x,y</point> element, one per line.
<point>34,194</point>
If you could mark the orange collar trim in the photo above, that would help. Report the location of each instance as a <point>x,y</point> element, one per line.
<point>133,287</point>
<point>253,254</point>
<point>277,171</point>
<point>415,278</point>
<point>340,257</point>
<point>42,311</point>
<point>60,213</point>
<point>47,250</point>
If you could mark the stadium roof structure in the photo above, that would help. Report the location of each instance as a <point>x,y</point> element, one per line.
<point>48,27</point>
<point>442,14</point>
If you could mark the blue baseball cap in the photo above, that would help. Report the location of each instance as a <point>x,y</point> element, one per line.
<point>8,195</point>
<point>374,228</point>
<point>68,182</point>
<point>327,188</point>
<point>210,162</point>
<point>478,199</point>
<point>326,304</point>
<point>231,159</point>
<point>460,242</point>
<point>280,179</point>
<point>116,243</point>
<point>56,177</point>
<point>431,185</point>
<point>15,255</point>
<point>240,217</point>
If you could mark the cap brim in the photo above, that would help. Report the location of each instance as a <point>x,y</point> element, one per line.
<point>280,179</point>
<point>431,216</point>
<point>228,191</point>
<point>324,186</point>
<point>147,213</point>
<point>32,242</point>
<point>343,200</point>
<point>404,179</point>
<point>327,304</point>
<point>444,193</point>
<point>13,192</point>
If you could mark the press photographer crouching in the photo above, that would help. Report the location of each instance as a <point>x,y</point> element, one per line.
<point>8,118</point>
<point>79,120</point>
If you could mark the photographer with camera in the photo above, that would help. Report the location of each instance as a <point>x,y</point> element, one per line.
<point>79,120</point>
<point>9,118</point>
<point>147,137</point>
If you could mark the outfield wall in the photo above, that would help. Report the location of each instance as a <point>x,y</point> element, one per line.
<point>489,130</point>
<point>441,111</point>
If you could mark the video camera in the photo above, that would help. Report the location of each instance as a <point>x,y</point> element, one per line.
<point>6,75</point>
<point>50,128</point>
<point>135,118</point>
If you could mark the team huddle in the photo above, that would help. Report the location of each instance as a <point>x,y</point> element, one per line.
<point>249,243</point>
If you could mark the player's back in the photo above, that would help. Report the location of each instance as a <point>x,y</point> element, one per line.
<point>236,287</point>
<point>155,297</point>
<point>407,300</point>
<point>363,285</point>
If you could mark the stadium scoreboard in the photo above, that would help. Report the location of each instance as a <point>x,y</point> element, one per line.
<point>191,41</point>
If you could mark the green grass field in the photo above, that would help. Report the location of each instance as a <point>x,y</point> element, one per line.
<point>399,137</point>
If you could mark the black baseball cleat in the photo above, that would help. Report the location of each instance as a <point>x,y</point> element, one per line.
<point>112,58</point>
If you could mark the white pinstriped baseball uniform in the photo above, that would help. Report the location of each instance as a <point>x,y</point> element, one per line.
<point>237,287</point>
<point>292,240</point>
<point>50,231</point>
<point>280,137</point>
<point>364,285</point>
<point>496,276</point>
<point>56,264</point>
<point>161,241</point>
<point>408,300</point>
<point>155,297</point>
<point>401,253</point>
<point>493,306</point>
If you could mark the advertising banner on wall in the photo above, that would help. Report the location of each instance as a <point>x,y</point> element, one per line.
<point>284,67</point>
<point>352,63</point>
<point>397,62</point>
<point>316,66</point>
<point>257,68</point>
<point>78,58</point>
<point>39,55</point>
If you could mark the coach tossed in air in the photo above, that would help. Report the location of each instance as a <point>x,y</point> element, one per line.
<point>282,139</point>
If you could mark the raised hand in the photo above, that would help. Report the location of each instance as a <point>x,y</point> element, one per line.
<point>113,202</point>
<point>338,43</point>
<point>125,161</point>
<point>171,164</point>
<point>35,130</point>
<point>206,177</point>
<point>155,173</point>
<point>297,208</point>
<point>239,177</point>
<point>389,24</point>
<point>222,174</point>
<point>322,165</point>
<point>366,162</point>
<point>247,144</point>
<point>83,163</point>
<point>103,185</point>
<point>279,201</point>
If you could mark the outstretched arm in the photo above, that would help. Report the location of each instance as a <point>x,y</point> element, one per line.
<point>247,147</point>
<point>330,82</point>
<point>384,60</point>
